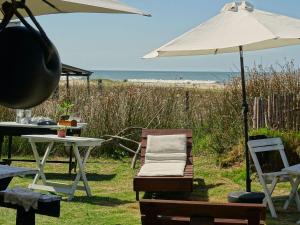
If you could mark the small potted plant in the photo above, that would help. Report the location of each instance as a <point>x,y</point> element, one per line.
<point>64,109</point>
<point>62,132</point>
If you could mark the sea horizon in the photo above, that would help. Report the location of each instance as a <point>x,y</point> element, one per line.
<point>164,75</point>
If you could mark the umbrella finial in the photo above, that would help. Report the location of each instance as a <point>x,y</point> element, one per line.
<point>236,6</point>
<point>247,6</point>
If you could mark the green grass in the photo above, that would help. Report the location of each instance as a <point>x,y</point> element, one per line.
<point>113,200</point>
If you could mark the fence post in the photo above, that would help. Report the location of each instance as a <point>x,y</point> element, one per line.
<point>254,118</point>
<point>100,85</point>
<point>187,101</point>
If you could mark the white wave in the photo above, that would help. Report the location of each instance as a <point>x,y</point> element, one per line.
<point>172,81</point>
<point>72,78</point>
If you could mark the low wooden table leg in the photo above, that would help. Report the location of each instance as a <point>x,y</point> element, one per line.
<point>25,218</point>
<point>9,150</point>
<point>4,183</point>
<point>70,159</point>
<point>1,144</point>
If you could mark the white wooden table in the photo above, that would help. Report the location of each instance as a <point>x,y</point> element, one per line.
<point>12,129</point>
<point>295,172</point>
<point>75,142</point>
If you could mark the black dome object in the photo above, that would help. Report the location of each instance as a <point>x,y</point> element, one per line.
<point>30,68</point>
<point>246,197</point>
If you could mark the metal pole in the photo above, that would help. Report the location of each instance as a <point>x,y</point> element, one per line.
<point>88,84</point>
<point>68,87</point>
<point>245,113</point>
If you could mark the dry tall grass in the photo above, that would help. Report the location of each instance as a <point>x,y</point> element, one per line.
<point>214,115</point>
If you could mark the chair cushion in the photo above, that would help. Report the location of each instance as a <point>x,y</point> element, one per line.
<point>165,158</point>
<point>166,148</point>
<point>162,169</point>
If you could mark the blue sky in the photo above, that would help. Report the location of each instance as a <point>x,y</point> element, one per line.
<point>117,42</point>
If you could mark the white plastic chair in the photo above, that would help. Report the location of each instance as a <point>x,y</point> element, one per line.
<point>272,178</point>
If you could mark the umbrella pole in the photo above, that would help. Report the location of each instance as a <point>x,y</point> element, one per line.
<point>245,113</point>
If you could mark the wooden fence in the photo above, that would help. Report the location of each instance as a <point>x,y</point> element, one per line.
<point>277,112</point>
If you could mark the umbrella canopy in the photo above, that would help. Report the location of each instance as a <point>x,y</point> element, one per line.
<point>238,24</point>
<point>44,7</point>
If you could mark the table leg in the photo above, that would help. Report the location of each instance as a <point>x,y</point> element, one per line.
<point>40,163</point>
<point>69,148</point>
<point>25,218</point>
<point>81,171</point>
<point>1,144</point>
<point>5,182</point>
<point>293,192</point>
<point>9,149</point>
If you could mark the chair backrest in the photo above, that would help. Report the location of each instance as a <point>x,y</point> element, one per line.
<point>266,145</point>
<point>187,132</point>
<point>188,212</point>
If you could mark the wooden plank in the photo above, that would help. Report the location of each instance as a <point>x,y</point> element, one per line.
<point>184,184</point>
<point>252,213</point>
<point>146,132</point>
<point>233,222</point>
<point>186,221</point>
<point>44,208</point>
<point>202,221</point>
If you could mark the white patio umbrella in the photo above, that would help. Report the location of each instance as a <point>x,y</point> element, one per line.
<point>238,27</point>
<point>44,7</point>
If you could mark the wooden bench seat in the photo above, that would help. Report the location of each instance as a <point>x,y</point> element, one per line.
<point>48,206</point>
<point>172,212</point>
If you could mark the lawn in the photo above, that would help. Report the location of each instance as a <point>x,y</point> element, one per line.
<point>113,201</point>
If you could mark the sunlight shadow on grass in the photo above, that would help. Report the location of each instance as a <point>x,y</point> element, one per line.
<point>167,195</point>
<point>70,177</point>
<point>101,201</point>
<point>201,189</point>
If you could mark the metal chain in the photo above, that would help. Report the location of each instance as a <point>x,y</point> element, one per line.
<point>11,9</point>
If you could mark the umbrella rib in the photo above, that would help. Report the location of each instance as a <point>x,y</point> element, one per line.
<point>51,5</point>
<point>265,27</point>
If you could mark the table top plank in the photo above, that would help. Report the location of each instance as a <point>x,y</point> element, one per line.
<point>10,171</point>
<point>14,124</point>
<point>81,141</point>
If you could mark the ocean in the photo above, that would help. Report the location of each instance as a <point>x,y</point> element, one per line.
<point>168,76</point>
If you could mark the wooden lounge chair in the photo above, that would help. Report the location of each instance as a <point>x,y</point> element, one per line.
<point>166,183</point>
<point>174,212</point>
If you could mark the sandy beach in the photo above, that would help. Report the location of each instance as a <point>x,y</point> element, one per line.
<point>154,82</point>
<point>178,83</point>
